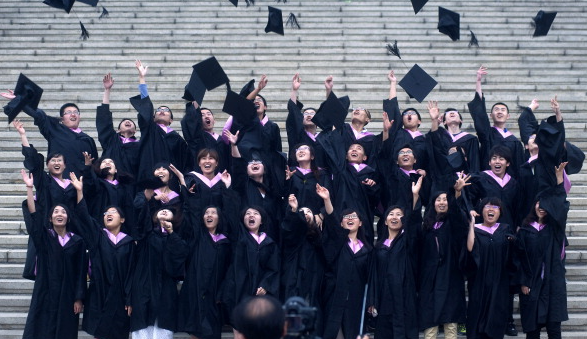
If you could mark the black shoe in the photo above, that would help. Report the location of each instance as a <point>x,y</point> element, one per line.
<point>510,330</point>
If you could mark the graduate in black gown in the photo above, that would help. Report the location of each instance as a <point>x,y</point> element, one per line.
<point>206,234</point>
<point>120,145</point>
<point>392,280</point>
<point>60,268</point>
<point>161,254</point>
<point>303,258</point>
<point>159,142</point>
<point>541,251</point>
<point>299,125</point>
<point>441,284</point>
<point>197,126</point>
<point>348,259</point>
<point>487,264</point>
<point>107,309</point>
<point>207,182</point>
<point>490,136</point>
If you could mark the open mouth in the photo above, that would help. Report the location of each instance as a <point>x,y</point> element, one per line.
<point>258,105</point>
<point>57,167</point>
<point>207,166</point>
<point>207,121</point>
<point>251,221</point>
<point>255,168</point>
<point>109,219</point>
<point>442,207</point>
<point>59,219</point>
<point>491,214</point>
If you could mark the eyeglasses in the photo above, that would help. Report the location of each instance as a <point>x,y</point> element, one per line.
<point>163,109</point>
<point>500,109</point>
<point>255,162</point>
<point>351,216</point>
<point>303,148</point>
<point>71,112</point>
<point>408,152</point>
<point>110,213</point>
<point>309,113</point>
<point>491,207</point>
<point>409,113</point>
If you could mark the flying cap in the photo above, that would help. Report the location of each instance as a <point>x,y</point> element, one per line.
<point>542,21</point>
<point>27,93</point>
<point>248,88</point>
<point>211,73</point>
<point>274,21</point>
<point>331,113</point>
<point>418,4</point>
<point>195,89</point>
<point>234,2</point>
<point>417,83</point>
<point>60,4</point>
<point>449,23</point>
<point>242,109</point>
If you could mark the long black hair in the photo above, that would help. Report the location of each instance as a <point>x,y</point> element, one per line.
<point>121,176</point>
<point>313,166</point>
<point>431,216</point>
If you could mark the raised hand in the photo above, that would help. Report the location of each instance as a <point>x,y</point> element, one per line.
<point>27,178</point>
<point>88,159</point>
<point>177,173</point>
<point>433,110</point>
<point>329,83</point>
<point>168,226</point>
<point>293,202</point>
<point>141,68</point>
<point>554,105</point>
<point>534,104</point>
<point>462,181</point>
<point>288,173</point>
<point>481,72</point>
<point>19,126</point>
<point>391,76</point>
<point>262,82</point>
<point>296,82</point>
<point>322,192</point>
<point>386,122</point>
<point>416,186</point>
<point>78,184</point>
<point>559,171</point>
<point>232,138</point>
<point>8,95</point>
<point>226,178</point>
<point>108,81</point>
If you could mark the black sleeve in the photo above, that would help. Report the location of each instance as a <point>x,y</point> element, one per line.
<point>481,122</point>
<point>88,227</point>
<point>175,254</point>
<point>106,134</point>
<point>528,124</point>
<point>294,124</point>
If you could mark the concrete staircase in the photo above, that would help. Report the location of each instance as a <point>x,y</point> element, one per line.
<point>345,39</point>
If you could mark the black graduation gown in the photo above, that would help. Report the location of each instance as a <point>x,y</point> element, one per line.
<point>346,274</point>
<point>296,134</point>
<point>398,187</point>
<point>159,267</point>
<point>198,139</point>
<point>49,193</point>
<point>253,265</point>
<point>440,141</point>
<point>204,195</point>
<point>111,275</point>
<point>61,139</point>
<point>125,155</point>
<point>349,191</point>
<point>490,136</point>
<point>488,279</point>
<point>542,266</point>
<point>200,313</point>
<point>441,293</point>
<point>392,280</point>
<point>60,281</point>
<point>157,145</point>
<point>371,144</point>
<point>303,186</point>
<point>483,185</point>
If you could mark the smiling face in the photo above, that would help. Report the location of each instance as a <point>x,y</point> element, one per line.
<point>108,163</point>
<point>112,219</point>
<point>540,212</point>
<point>304,154</point>
<point>498,165</point>
<point>208,164</point>
<point>207,120</point>
<point>163,174</point>
<point>441,203</point>
<point>163,116</point>
<point>211,219</point>
<point>308,115</point>
<point>410,120</point>
<point>259,105</point>
<point>406,158</point>
<point>500,114</point>
<point>71,117</point>
<point>127,126</point>
<point>56,166</point>
<point>393,220</point>
<point>491,214</point>
<point>59,216</point>
<point>351,222</point>
<point>252,220</point>
<point>356,154</point>
<point>255,169</point>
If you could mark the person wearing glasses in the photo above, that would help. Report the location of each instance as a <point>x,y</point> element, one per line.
<point>159,142</point>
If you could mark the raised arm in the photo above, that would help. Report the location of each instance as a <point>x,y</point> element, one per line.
<point>142,69</point>
<point>325,195</point>
<point>108,82</point>
<point>392,85</point>
<point>480,73</point>
<point>328,84</point>
<point>262,83</point>
<point>434,114</point>
<point>556,109</point>
<point>20,129</point>
<point>471,236</point>
<point>28,181</point>
<point>296,82</point>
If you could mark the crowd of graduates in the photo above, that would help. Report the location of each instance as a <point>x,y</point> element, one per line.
<point>173,231</point>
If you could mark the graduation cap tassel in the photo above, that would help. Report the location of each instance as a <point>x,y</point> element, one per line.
<point>250,2</point>
<point>85,34</point>
<point>104,14</point>
<point>292,21</point>
<point>394,50</point>
<point>473,41</point>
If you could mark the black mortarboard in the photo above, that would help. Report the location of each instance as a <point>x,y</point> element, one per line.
<point>418,4</point>
<point>449,23</point>
<point>331,113</point>
<point>345,101</point>
<point>248,88</point>
<point>92,3</point>
<point>195,89</point>
<point>234,2</point>
<point>211,73</point>
<point>241,109</point>
<point>60,4</point>
<point>274,21</point>
<point>27,93</point>
<point>417,83</point>
<point>542,22</point>
<point>151,182</point>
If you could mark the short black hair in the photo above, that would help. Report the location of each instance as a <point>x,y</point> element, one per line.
<point>64,106</point>
<point>500,103</point>
<point>206,108</point>
<point>449,110</point>
<point>501,151</point>
<point>412,109</point>
<point>126,119</point>
<point>260,317</point>
<point>55,155</point>
<point>170,112</point>
<point>489,201</point>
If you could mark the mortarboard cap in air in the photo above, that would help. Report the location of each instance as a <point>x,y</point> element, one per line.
<point>417,83</point>
<point>60,4</point>
<point>542,21</point>
<point>418,4</point>
<point>195,89</point>
<point>248,88</point>
<point>211,73</point>
<point>234,2</point>
<point>331,113</point>
<point>241,109</point>
<point>449,23</point>
<point>27,93</point>
<point>274,21</point>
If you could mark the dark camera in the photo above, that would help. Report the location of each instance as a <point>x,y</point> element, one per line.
<point>300,318</point>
